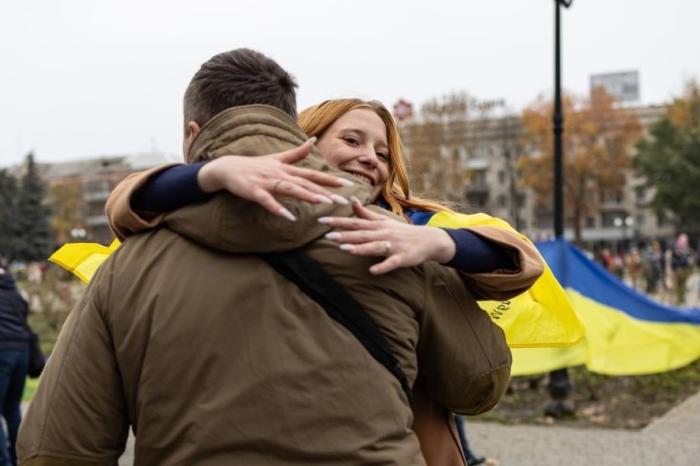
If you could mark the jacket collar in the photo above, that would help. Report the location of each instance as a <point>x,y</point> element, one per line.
<point>232,125</point>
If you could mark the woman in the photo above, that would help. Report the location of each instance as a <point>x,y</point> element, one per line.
<point>360,138</point>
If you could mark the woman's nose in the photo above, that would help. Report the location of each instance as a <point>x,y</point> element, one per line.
<point>369,157</point>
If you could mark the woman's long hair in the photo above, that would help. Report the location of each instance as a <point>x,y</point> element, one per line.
<point>317,119</point>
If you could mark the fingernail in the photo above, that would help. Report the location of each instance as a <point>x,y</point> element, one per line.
<point>347,247</point>
<point>322,198</point>
<point>324,220</point>
<point>287,214</point>
<point>345,182</point>
<point>339,199</point>
<point>332,235</point>
<point>354,199</point>
<point>312,140</point>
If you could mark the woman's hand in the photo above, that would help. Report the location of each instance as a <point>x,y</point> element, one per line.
<point>403,244</point>
<point>260,179</point>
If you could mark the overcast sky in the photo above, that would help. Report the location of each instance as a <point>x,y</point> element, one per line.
<point>81,78</point>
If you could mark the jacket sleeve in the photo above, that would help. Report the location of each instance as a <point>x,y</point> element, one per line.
<point>504,284</point>
<point>123,220</point>
<point>242,226</point>
<point>78,415</point>
<point>463,357</point>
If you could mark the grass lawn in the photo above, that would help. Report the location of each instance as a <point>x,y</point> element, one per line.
<point>601,401</point>
<point>29,389</point>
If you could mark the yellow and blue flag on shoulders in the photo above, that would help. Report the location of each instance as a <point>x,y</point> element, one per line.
<point>627,333</point>
<point>543,316</point>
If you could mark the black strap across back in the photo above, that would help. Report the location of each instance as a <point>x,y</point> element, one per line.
<point>310,276</point>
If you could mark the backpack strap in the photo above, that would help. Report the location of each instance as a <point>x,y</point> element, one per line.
<point>310,276</point>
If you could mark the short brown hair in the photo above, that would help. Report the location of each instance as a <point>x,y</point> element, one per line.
<point>238,77</point>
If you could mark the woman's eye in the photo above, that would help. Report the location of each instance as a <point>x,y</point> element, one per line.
<point>351,140</point>
<point>383,156</point>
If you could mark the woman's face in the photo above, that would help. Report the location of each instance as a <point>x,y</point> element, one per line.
<point>357,143</point>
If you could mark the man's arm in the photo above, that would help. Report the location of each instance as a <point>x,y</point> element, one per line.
<point>78,415</point>
<point>464,362</point>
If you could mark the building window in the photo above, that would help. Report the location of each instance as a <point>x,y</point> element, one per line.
<point>97,186</point>
<point>661,219</point>
<point>501,176</point>
<point>608,218</point>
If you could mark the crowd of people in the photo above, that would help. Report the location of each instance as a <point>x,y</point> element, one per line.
<point>658,268</point>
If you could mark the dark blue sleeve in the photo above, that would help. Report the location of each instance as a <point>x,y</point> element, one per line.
<point>170,189</point>
<point>475,254</point>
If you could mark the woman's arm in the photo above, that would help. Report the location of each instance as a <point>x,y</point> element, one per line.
<point>139,201</point>
<point>495,263</point>
<point>406,245</point>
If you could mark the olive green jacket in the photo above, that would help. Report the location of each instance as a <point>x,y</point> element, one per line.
<point>212,358</point>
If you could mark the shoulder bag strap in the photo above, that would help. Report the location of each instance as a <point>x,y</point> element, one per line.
<point>310,276</point>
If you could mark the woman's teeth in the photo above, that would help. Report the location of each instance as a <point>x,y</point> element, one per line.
<point>362,177</point>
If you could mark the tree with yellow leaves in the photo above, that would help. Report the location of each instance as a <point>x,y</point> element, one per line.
<point>598,138</point>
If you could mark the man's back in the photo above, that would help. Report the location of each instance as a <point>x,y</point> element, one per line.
<point>199,333</point>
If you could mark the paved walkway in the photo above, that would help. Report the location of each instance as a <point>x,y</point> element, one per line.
<point>673,440</point>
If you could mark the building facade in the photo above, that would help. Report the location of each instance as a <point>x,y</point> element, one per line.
<point>78,191</point>
<point>473,163</point>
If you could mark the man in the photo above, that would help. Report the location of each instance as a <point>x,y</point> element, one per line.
<point>214,358</point>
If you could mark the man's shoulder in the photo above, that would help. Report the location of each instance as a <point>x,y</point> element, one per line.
<point>141,247</point>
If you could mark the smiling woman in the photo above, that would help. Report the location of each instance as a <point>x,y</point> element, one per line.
<point>368,143</point>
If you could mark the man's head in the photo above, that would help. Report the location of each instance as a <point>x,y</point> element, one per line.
<point>230,79</point>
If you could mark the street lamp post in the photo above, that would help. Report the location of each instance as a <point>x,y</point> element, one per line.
<point>559,385</point>
<point>558,123</point>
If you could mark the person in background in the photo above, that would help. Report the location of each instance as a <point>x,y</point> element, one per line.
<point>653,266</point>
<point>633,261</point>
<point>681,258</point>
<point>14,357</point>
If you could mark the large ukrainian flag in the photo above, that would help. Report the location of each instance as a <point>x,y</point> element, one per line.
<point>627,333</point>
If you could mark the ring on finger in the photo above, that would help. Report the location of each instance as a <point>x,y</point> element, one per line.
<point>274,185</point>
<point>387,247</point>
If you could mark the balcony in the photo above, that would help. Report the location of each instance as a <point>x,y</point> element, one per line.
<point>97,220</point>
<point>96,196</point>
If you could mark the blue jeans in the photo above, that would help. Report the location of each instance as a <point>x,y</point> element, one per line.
<point>13,372</point>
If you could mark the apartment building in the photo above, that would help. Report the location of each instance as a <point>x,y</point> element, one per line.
<point>90,181</point>
<point>486,151</point>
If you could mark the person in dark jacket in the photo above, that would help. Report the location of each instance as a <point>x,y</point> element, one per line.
<point>14,356</point>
